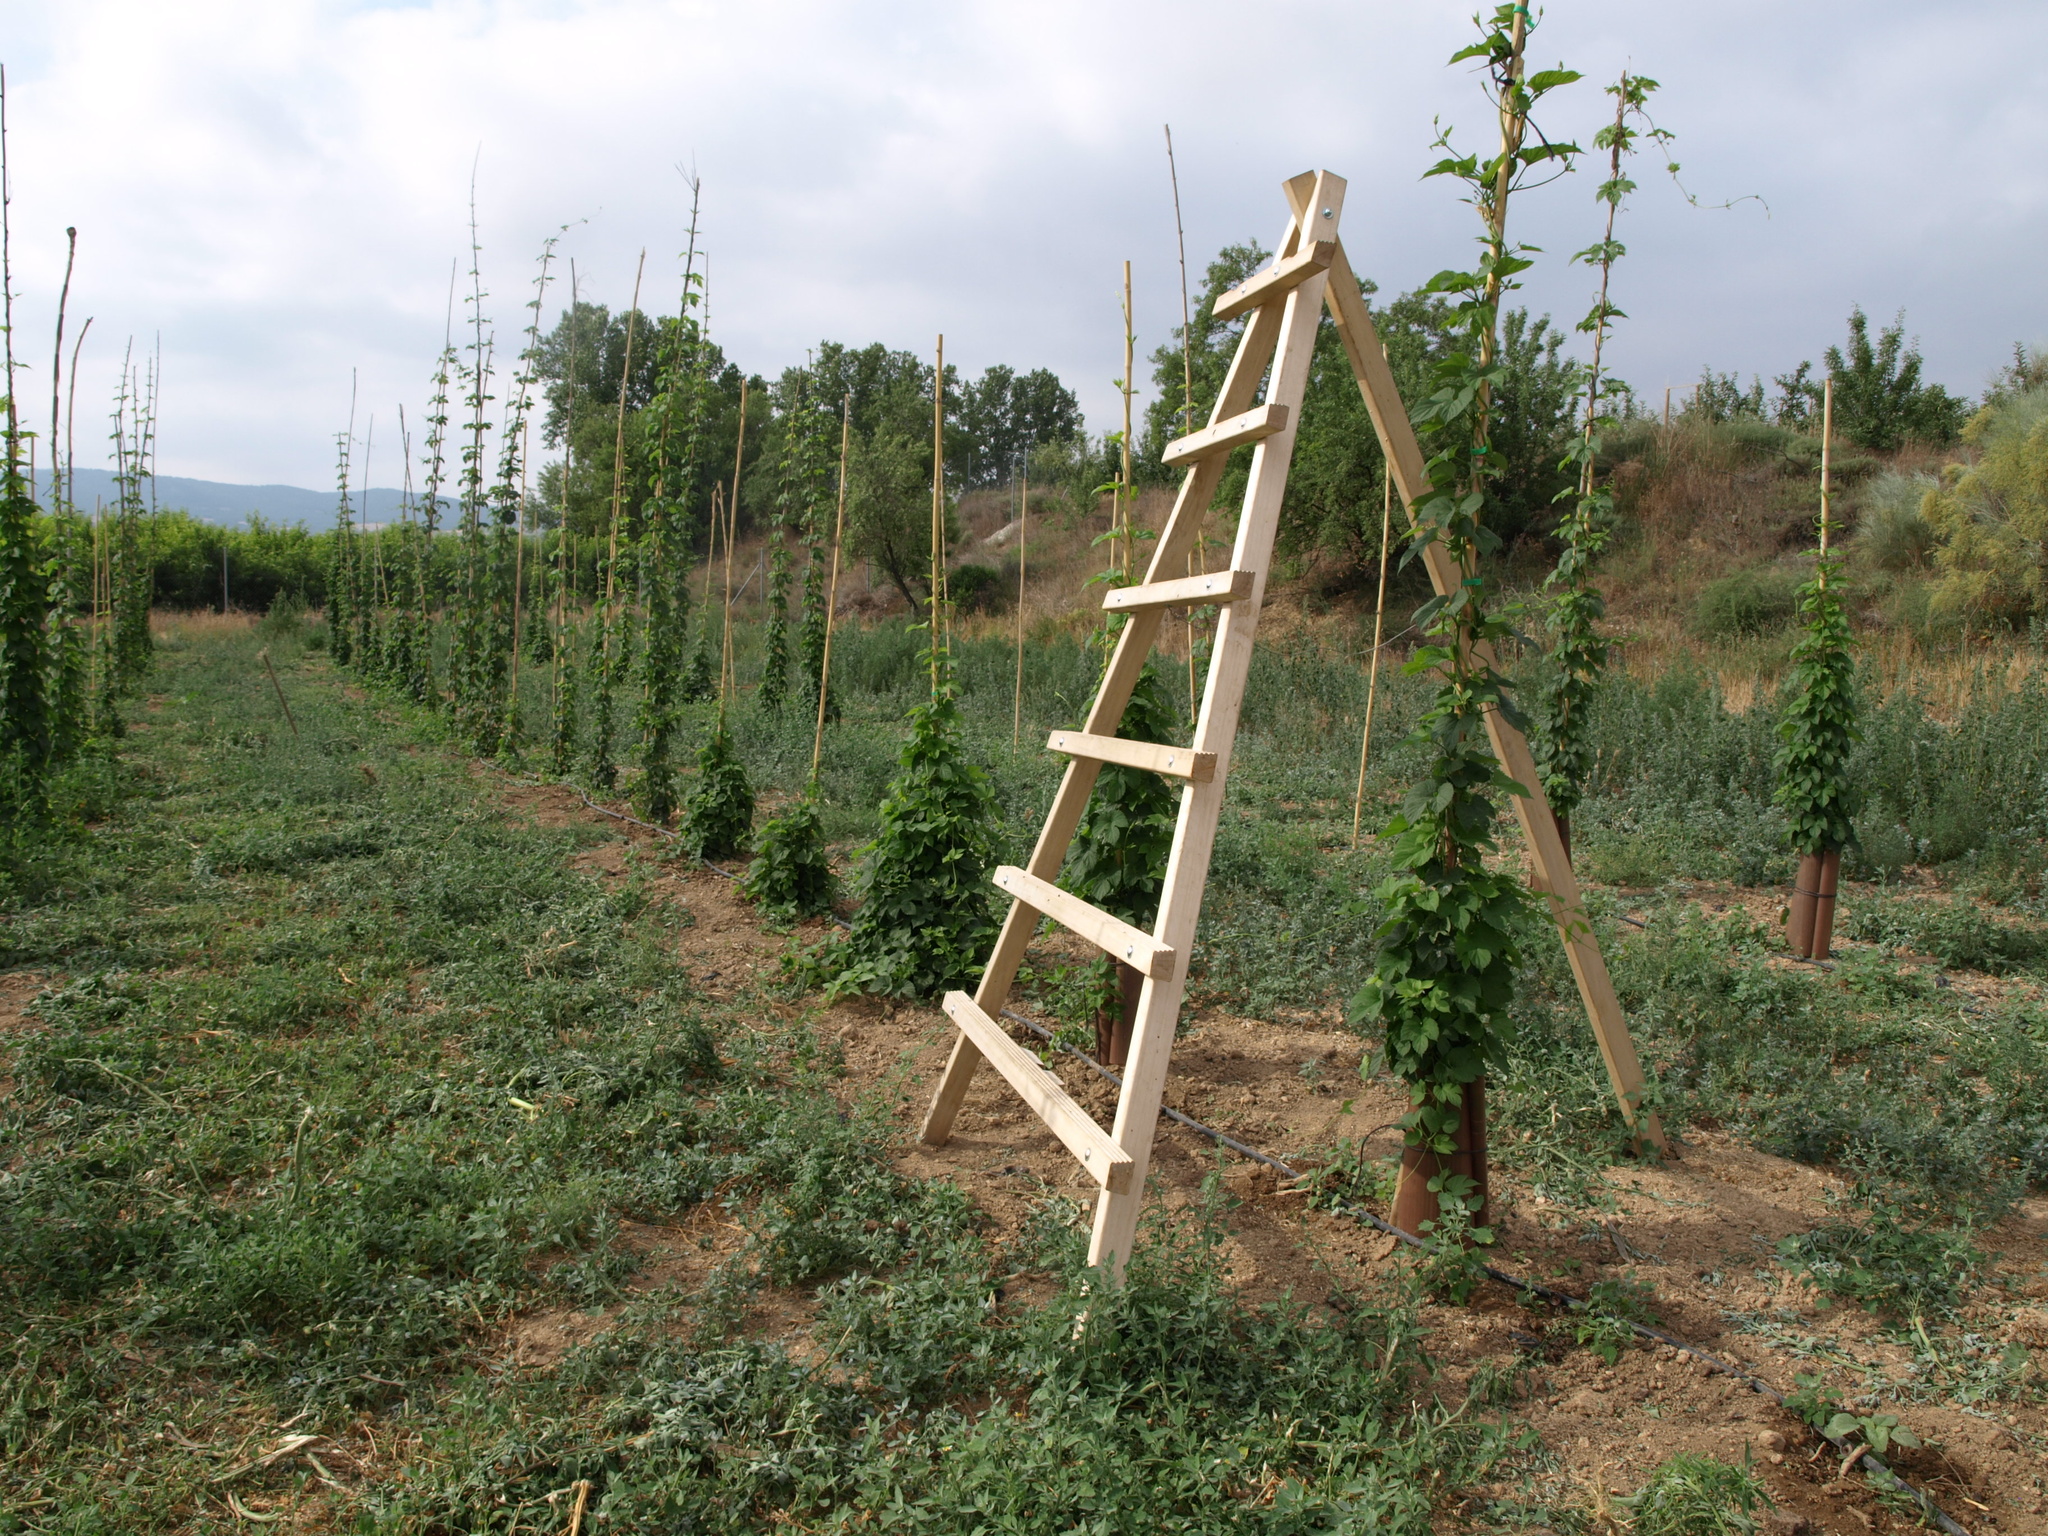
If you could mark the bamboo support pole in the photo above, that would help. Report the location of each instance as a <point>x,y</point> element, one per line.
<point>1017,696</point>
<point>832,591</point>
<point>938,593</point>
<point>732,524</point>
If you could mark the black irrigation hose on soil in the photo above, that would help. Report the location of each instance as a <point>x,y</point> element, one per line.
<point>1714,1363</point>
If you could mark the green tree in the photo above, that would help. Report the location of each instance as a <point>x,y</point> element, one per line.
<point>1002,417</point>
<point>1880,402</point>
<point>889,503</point>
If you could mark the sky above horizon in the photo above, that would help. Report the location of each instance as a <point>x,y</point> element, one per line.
<point>278,190</point>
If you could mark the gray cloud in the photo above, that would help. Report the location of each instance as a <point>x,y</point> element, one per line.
<point>278,189</point>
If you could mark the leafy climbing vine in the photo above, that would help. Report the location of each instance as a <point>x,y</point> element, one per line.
<point>1448,943</point>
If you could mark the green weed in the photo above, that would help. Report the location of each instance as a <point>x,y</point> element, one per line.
<point>1692,1495</point>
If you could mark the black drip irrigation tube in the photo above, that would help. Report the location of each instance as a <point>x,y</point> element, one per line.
<point>1884,1476</point>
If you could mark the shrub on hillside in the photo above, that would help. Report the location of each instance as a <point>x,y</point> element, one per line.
<point>1752,602</point>
<point>1892,531</point>
<point>1992,518</point>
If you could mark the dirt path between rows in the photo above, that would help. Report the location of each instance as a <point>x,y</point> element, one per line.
<point>1700,1229</point>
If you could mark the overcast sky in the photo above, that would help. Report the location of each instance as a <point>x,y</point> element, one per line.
<point>277,187</point>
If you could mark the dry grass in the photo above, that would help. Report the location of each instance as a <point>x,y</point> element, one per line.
<point>166,625</point>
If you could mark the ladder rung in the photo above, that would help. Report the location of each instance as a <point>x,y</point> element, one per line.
<point>1176,762</point>
<point>1276,279</point>
<point>1108,1163</point>
<point>1222,436</point>
<point>1135,947</point>
<point>1181,592</point>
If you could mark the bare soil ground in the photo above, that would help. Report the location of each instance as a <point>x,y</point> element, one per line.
<point>1700,1229</point>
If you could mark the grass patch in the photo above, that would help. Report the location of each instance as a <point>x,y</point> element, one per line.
<point>340,1070</point>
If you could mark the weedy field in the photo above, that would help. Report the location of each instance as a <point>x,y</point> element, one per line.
<point>392,1143</point>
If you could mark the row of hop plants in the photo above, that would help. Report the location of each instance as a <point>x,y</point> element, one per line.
<point>74,589</point>
<point>626,661</point>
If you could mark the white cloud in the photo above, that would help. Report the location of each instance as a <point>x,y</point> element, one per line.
<point>279,188</point>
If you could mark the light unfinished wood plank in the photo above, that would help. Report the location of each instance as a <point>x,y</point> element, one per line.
<point>1174,762</point>
<point>1245,427</point>
<point>1182,592</point>
<point>1107,1163</point>
<point>1187,867</point>
<point>1135,947</point>
<point>1289,272</point>
<point>1133,645</point>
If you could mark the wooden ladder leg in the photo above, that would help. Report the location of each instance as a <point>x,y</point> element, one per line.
<point>1134,644</point>
<point>1194,837</point>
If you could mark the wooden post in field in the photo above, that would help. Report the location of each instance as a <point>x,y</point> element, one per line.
<point>1811,926</point>
<point>1023,527</point>
<point>832,590</point>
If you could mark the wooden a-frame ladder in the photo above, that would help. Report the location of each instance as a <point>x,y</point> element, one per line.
<point>1282,305</point>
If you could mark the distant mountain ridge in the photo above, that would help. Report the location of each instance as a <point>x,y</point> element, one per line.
<point>216,501</point>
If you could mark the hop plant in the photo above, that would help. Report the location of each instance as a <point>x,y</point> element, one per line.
<point>719,812</point>
<point>1818,731</point>
<point>790,875</point>
<point>1118,858</point>
<point>926,918</point>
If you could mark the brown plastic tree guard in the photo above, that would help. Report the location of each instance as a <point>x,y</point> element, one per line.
<point>1282,306</point>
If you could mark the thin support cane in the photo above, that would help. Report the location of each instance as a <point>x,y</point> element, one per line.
<point>1017,700</point>
<point>832,592</point>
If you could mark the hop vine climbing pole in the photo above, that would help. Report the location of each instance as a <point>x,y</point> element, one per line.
<point>1281,306</point>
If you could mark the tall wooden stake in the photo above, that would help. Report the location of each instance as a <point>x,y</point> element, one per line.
<point>832,590</point>
<point>1372,676</point>
<point>732,525</point>
<point>938,603</point>
<point>1017,699</point>
<point>1124,480</point>
<point>1187,379</point>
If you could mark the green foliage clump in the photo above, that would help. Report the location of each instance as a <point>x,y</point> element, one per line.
<point>790,875</point>
<point>1902,1260</point>
<point>1992,518</point>
<point>1893,533</point>
<point>1956,934</point>
<point>1691,1495</point>
<point>1612,1306</point>
<point>1117,860</point>
<point>1758,601</point>
<point>926,916</point>
<point>718,815</point>
<point>1818,730</point>
<point>1880,402</point>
